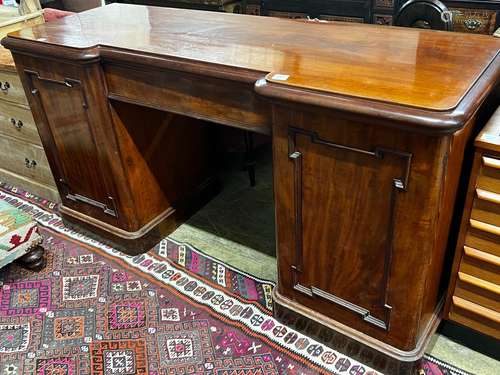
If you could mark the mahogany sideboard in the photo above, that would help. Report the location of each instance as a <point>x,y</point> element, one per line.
<point>368,123</point>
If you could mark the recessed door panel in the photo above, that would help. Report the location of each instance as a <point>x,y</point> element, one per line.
<point>79,169</point>
<point>345,200</point>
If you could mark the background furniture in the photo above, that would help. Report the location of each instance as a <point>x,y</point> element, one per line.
<point>474,292</point>
<point>22,159</point>
<point>363,11</point>
<point>364,167</point>
<point>10,20</point>
<point>471,16</point>
<point>480,16</point>
<point>475,16</point>
<point>428,14</point>
<point>19,238</point>
<point>228,6</point>
<point>80,5</point>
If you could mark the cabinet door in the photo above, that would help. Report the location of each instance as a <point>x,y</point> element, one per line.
<point>76,163</point>
<point>343,201</point>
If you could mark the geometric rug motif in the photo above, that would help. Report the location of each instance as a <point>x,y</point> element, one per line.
<point>14,337</point>
<point>68,327</point>
<point>128,314</point>
<point>109,313</point>
<point>80,287</point>
<point>53,366</point>
<point>25,298</point>
<point>119,357</point>
<point>185,346</point>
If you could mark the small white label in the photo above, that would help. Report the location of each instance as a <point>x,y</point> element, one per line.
<point>280,77</point>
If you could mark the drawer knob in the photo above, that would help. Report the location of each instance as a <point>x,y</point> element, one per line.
<point>17,124</point>
<point>5,86</point>
<point>29,163</point>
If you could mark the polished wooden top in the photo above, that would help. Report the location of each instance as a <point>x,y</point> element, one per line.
<point>410,67</point>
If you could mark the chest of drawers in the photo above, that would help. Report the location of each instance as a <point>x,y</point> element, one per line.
<point>474,292</point>
<point>22,159</point>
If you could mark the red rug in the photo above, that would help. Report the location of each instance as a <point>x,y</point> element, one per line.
<point>174,310</point>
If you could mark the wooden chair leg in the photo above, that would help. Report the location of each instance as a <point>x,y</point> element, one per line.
<point>34,260</point>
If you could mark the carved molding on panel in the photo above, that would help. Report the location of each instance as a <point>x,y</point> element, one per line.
<point>68,82</point>
<point>92,202</point>
<point>400,184</point>
<point>68,193</point>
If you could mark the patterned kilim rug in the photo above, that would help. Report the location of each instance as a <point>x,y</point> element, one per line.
<point>174,310</point>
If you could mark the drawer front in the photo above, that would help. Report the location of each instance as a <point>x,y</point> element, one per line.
<point>11,88</point>
<point>17,121</point>
<point>25,159</point>
<point>488,178</point>
<point>42,190</point>
<point>486,210</point>
<point>484,241</point>
<point>231,103</point>
<point>478,291</point>
<point>475,316</point>
<point>479,21</point>
<point>480,264</point>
